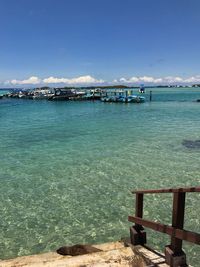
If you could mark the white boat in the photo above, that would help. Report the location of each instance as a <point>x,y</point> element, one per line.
<point>134,99</point>
<point>124,99</point>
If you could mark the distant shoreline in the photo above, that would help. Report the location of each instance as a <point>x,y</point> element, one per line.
<point>104,87</point>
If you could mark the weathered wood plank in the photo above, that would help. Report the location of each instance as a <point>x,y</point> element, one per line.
<point>167,190</point>
<point>169,230</point>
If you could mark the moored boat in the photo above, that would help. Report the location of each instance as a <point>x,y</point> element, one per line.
<point>124,99</point>
<point>142,89</point>
<point>135,99</point>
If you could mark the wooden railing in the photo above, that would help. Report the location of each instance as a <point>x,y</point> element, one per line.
<point>173,252</point>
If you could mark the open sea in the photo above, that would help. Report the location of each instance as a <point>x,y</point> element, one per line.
<point>67,169</point>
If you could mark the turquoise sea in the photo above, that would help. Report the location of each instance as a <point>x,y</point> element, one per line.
<point>67,169</point>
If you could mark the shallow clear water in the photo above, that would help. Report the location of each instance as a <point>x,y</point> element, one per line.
<point>67,169</point>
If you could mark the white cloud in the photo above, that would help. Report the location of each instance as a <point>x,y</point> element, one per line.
<point>160,80</point>
<point>143,79</point>
<point>55,80</point>
<point>171,79</point>
<point>123,80</point>
<point>31,80</point>
<point>134,80</point>
<point>193,79</point>
<point>85,79</point>
<point>147,79</point>
<point>78,80</point>
<point>88,79</point>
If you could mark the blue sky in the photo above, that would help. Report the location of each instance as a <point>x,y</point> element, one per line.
<point>99,41</point>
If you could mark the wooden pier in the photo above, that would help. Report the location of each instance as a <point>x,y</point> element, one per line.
<point>174,255</point>
<point>66,94</point>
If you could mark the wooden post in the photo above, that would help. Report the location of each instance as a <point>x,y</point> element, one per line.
<point>178,219</point>
<point>138,236</point>
<point>150,97</point>
<point>126,99</point>
<point>174,253</point>
<point>139,205</point>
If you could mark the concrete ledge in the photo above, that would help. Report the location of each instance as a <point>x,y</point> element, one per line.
<point>114,254</point>
<point>115,257</point>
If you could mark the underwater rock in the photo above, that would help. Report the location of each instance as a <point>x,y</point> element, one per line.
<point>77,250</point>
<point>191,144</point>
